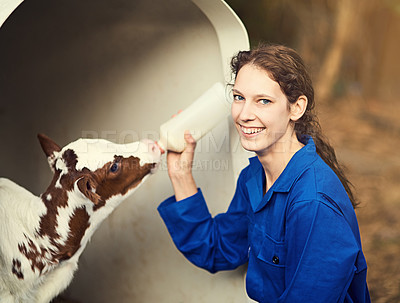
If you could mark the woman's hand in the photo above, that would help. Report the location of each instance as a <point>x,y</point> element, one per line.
<point>180,169</point>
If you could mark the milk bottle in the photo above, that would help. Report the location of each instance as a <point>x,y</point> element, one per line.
<point>199,118</point>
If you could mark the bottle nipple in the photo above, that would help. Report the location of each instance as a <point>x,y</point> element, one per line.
<point>160,146</point>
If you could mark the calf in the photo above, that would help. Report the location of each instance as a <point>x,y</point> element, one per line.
<point>41,238</point>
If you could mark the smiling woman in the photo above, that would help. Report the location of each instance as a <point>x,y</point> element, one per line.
<point>263,118</point>
<point>286,69</point>
<point>291,218</point>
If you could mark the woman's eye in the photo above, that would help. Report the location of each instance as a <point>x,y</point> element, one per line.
<point>114,167</point>
<point>238,98</point>
<point>264,101</point>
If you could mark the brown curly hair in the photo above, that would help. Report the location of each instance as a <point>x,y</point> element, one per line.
<point>285,66</point>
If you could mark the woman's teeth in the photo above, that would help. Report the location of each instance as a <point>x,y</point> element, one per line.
<point>251,130</point>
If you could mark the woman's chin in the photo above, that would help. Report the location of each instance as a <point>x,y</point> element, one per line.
<point>249,145</point>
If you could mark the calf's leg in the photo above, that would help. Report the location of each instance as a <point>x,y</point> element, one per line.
<point>56,282</point>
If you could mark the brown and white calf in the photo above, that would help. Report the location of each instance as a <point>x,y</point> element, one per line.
<point>41,238</point>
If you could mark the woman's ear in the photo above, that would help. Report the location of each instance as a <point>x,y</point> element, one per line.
<point>298,108</point>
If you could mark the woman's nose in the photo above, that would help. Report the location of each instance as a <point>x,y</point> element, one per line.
<point>247,112</point>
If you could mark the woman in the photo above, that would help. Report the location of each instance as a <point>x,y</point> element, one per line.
<point>292,216</point>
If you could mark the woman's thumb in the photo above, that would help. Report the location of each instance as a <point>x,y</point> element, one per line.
<point>190,141</point>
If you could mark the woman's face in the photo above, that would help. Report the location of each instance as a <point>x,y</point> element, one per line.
<point>261,111</point>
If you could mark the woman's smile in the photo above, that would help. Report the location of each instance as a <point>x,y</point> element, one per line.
<point>249,132</point>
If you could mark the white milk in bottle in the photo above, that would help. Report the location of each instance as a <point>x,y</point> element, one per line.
<point>199,118</point>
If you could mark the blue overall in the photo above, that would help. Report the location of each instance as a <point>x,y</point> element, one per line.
<point>301,239</point>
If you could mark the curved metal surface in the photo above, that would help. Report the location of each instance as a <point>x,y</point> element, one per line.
<point>118,71</point>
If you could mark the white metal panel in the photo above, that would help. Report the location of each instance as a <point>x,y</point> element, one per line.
<point>117,70</point>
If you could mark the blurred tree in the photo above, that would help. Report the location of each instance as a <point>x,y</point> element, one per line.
<point>346,43</point>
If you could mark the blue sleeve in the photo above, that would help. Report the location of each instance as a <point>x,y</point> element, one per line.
<point>321,254</point>
<point>218,243</point>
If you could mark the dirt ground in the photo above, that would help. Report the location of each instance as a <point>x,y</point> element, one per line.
<point>365,134</point>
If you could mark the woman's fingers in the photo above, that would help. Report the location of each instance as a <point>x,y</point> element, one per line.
<point>190,142</point>
<point>181,163</point>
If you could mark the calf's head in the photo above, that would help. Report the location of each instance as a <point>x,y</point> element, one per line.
<point>100,172</point>
<point>91,177</point>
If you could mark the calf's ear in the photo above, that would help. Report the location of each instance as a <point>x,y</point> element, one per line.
<point>87,187</point>
<point>48,145</point>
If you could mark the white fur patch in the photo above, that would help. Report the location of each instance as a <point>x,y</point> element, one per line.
<point>95,153</point>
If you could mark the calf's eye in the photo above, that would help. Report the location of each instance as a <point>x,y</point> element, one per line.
<point>114,167</point>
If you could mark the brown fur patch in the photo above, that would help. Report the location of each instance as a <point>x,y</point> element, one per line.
<point>128,176</point>
<point>70,158</point>
<point>59,197</point>
<point>78,225</point>
<point>16,269</point>
<point>36,255</point>
<point>48,222</point>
